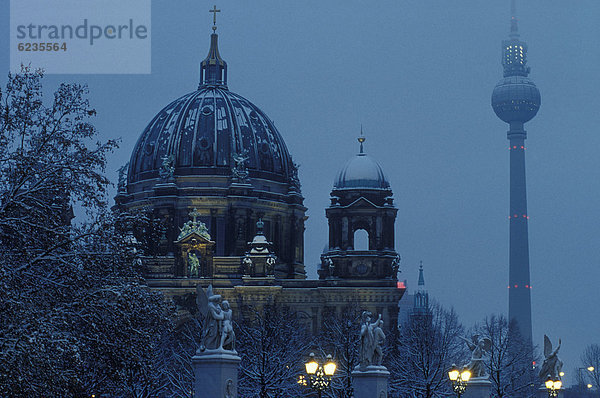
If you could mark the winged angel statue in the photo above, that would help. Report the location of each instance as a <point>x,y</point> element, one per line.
<point>217,328</point>
<point>479,347</point>
<point>552,365</point>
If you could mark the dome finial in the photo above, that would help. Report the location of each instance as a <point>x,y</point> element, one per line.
<point>213,70</point>
<point>214,11</point>
<point>361,139</point>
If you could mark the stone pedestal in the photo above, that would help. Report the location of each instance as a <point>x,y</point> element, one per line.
<point>478,387</point>
<point>216,373</point>
<point>371,382</point>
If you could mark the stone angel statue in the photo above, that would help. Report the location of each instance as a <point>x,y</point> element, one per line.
<point>371,341</point>
<point>479,347</point>
<point>217,326</point>
<point>552,366</point>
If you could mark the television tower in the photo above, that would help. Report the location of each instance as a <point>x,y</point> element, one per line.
<point>516,100</point>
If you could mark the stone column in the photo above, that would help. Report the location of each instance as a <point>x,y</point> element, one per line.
<point>371,382</point>
<point>216,373</point>
<point>478,387</point>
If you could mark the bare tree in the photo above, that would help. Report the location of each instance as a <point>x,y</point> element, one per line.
<point>590,359</point>
<point>510,362</point>
<point>423,352</point>
<point>75,316</point>
<point>272,342</point>
<point>340,337</point>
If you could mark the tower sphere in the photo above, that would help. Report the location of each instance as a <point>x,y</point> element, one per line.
<point>516,99</point>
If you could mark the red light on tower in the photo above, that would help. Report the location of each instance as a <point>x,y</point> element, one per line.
<point>400,285</point>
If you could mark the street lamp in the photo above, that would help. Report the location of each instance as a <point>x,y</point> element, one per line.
<point>318,375</point>
<point>459,380</point>
<point>582,378</point>
<point>553,387</point>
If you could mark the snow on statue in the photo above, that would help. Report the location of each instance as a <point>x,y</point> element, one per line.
<point>479,348</point>
<point>217,327</point>
<point>371,341</point>
<point>552,366</point>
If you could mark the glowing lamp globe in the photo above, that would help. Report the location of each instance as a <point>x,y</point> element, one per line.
<point>453,373</point>
<point>465,375</point>
<point>311,365</point>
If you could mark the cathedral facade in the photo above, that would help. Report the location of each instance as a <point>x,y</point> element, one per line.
<point>212,167</point>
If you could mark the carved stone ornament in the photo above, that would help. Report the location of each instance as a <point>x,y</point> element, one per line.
<point>167,168</point>
<point>122,184</point>
<point>194,227</point>
<point>240,171</point>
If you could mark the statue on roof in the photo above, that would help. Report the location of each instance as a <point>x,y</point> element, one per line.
<point>167,168</point>
<point>240,171</point>
<point>194,227</point>
<point>122,184</point>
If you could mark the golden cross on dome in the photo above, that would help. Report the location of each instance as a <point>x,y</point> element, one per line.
<point>214,11</point>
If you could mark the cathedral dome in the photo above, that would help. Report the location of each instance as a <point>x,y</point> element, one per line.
<point>202,132</point>
<point>361,172</point>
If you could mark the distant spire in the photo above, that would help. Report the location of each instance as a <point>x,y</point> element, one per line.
<point>421,297</point>
<point>514,22</point>
<point>361,139</point>
<point>213,69</point>
<point>421,277</point>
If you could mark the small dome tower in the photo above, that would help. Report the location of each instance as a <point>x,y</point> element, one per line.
<point>361,204</point>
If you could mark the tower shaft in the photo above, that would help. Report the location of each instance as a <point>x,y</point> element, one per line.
<point>519,296</point>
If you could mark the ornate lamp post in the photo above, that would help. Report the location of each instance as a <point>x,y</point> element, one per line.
<point>459,380</point>
<point>582,378</point>
<point>318,376</point>
<point>553,387</point>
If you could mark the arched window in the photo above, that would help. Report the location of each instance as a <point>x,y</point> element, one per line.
<point>361,240</point>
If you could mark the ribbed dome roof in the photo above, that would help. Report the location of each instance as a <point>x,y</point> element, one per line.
<point>361,171</point>
<point>203,131</point>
